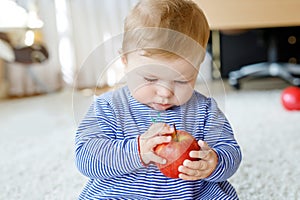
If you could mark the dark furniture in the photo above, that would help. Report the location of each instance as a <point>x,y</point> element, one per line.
<point>270,52</point>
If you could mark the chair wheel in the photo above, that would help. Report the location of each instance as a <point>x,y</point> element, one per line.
<point>234,83</point>
<point>236,86</point>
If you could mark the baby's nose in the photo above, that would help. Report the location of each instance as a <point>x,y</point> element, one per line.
<point>165,89</point>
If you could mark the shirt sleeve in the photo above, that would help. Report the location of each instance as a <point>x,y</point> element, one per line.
<point>219,135</point>
<point>99,153</point>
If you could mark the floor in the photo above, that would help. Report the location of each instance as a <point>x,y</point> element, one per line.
<point>37,142</point>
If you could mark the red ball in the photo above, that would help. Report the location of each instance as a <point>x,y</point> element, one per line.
<point>290,98</point>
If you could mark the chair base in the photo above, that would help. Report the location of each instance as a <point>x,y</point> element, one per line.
<point>285,71</point>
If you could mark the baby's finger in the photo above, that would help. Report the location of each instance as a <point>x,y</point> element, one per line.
<point>166,129</point>
<point>200,154</point>
<point>203,145</point>
<point>196,165</point>
<point>191,174</point>
<point>158,140</point>
<point>197,176</point>
<point>158,129</point>
<point>188,178</point>
<point>157,159</point>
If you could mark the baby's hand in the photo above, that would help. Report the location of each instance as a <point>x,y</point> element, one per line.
<point>152,137</point>
<point>195,170</point>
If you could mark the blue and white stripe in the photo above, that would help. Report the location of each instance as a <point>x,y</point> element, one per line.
<point>107,149</point>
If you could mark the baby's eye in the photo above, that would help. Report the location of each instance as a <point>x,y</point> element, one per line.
<point>181,82</point>
<point>151,80</point>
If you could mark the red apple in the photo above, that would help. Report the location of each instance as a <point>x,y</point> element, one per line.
<point>290,98</point>
<point>175,152</point>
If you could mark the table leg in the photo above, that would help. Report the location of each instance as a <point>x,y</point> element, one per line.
<point>216,52</point>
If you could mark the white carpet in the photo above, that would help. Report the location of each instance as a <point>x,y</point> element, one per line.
<point>37,149</point>
<point>37,146</point>
<point>269,137</point>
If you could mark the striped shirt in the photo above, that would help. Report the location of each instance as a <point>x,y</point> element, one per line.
<point>107,149</point>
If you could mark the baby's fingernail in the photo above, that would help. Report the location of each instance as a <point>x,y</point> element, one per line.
<point>191,154</point>
<point>185,163</point>
<point>164,162</point>
<point>180,176</point>
<point>180,168</point>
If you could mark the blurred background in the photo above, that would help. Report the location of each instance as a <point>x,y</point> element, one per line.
<point>51,67</point>
<point>44,43</point>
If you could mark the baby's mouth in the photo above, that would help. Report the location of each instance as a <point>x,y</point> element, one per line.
<point>161,106</point>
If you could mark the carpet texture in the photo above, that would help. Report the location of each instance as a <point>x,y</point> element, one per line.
<point>37,146</point>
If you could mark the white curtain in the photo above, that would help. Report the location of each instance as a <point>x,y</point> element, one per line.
<point>87,25</point>
<point>94,23</point>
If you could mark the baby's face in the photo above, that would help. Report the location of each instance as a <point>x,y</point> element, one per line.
<point>160,82</point>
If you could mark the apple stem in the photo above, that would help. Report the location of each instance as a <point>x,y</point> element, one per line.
<point>175,133</point>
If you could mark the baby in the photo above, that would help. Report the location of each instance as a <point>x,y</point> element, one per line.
<point>163,46</point>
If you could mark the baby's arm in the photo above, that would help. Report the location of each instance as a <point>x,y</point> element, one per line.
<point>222,160</point>
<point>219,136</point>
<point>99,154</point>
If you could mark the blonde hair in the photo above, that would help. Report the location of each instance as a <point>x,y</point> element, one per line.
<point>182,16</point>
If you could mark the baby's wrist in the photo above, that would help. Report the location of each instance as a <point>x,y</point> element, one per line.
<point>145,163</point>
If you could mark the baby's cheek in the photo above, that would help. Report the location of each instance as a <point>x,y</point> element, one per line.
<point>183,95</point>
